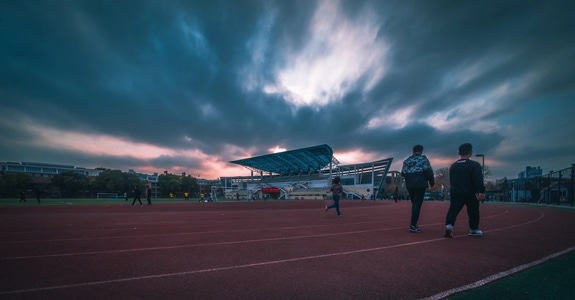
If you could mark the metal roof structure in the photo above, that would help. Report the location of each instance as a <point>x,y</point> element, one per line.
<point>299,161</point>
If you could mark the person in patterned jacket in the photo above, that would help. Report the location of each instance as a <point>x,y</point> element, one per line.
<point>418,173</point>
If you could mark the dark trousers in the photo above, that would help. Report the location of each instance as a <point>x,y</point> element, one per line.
<point>335,204</point>
<point>137,198</point>
<point>416,196</point>
<point>149,198</point>
<point>457,203</point>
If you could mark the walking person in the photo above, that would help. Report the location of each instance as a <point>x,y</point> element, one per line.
<point>418,174</point>
<point>467,189</point>
<point>336,190</point>
<point>22,196</point>
<point>136,195</point>
<point>149,195</point>
<point>38,193</point>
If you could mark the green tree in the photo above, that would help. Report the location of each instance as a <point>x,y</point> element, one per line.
<point>12,183</point>
<point>116,181</point>
<point>190,185</point>
<point>110,181</point>
<point>71,184</point>
<point>169,183</point>
<point>133,180</point>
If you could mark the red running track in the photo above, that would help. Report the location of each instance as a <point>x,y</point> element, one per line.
<point>265,250</point>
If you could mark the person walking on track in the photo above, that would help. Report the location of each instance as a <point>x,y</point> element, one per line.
<point>418,173</point>
<point>149,195</point>
<point>136,195</point>
<point>467,189</point>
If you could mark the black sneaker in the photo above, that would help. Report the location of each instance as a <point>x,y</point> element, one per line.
<point>414,229</point>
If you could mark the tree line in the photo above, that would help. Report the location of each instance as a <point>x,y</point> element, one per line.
<point>73,185</point>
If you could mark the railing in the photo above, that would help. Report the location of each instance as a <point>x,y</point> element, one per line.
<point>554,188</point>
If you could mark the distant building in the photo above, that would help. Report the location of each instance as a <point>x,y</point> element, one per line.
<point>42,173</point>
<point>44,170</point>
<point>530,172</point>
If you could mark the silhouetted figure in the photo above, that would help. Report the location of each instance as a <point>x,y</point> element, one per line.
<point>336,190</point>
<point>136,195</point>
<point>467,189</point>
<point>38,193</point>
<point>149,195</point>
<point>418,174</point>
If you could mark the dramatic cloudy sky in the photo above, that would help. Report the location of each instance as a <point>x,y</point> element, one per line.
<point>187,86</point>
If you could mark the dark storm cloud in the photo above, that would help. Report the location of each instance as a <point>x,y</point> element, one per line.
<point>191,75</point>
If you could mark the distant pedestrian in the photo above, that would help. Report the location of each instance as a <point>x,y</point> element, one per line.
<point>149,195</point>
<point>136,195</point>
<point>22,196</point>
<point>38,193</point>
<point>126,196</point>
<point>418,173</point>
<point>336,190</point>
<point>186,196</point>
<point>467,189</point>
<point>237,196</point>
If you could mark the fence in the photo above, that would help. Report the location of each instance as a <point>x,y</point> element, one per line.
<point>554,188</point>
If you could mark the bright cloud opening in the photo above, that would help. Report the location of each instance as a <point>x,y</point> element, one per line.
<point>471,112</point>
<point>277,149</point>
<point>339,53</point>
<point>356,156</point>
<point>396,119</point>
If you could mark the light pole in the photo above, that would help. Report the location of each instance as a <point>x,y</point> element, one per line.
<point>482,163</point>
<point>482,167</point>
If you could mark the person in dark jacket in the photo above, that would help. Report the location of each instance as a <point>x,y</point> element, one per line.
<point>136,195</point>
<point>149,195</point>
<point>22,196</point>
<point>418,174</point>
<point>38,194</point>
<point>467,189</point>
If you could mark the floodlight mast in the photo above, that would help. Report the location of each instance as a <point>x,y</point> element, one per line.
<point>482,164</point>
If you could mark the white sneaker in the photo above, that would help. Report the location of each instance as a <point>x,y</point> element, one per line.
<point>475,232</point>
<point>448,231</point>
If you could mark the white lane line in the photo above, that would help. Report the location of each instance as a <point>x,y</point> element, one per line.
<point>181,233</point>
<point>497,276</point>
<point>208,232</point>
<point>217,244</point>
<point>240,266</point>
<point>200,245</point>
<point>265,263</point>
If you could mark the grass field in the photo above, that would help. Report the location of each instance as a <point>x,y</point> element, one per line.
<point>550,280</point>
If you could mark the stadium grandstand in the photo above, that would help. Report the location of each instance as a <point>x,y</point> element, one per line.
<point>305,173</point>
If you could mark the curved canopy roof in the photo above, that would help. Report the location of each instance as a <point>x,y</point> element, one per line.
<point>305,160</point>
